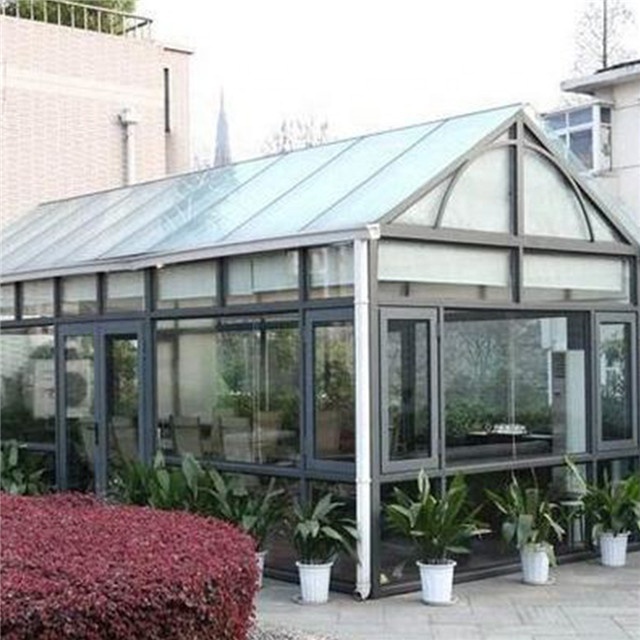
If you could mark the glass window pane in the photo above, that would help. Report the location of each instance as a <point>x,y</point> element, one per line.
<point>580,116</point>
<point>557,121</point>
<point>581,145</point>
<point>187,285</point>
<point>614,355</point>
<point>424,212</point>
<point>267,277</point>
<point>551,208</point>
<point>125,291</point>
<point>514,385</point>
<point>28,390</point>
<point>550,277</point>
<point>229,390</point>
<point>37,298</point>
<point>481,198</point>
<point>602,230</point>
<point>79,295</point>
<point>331,271</point>
<point>333,391</point>
<point>428,271</point>
<point>80,417</point>
<point>408,393</point>
<point>7,302</point>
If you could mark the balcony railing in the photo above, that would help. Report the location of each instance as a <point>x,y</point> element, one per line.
<point>79,16</point>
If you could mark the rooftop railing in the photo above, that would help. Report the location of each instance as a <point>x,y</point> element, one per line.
<point>79,16</point>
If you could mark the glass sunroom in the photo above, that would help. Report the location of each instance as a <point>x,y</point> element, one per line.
<point>449,296</point>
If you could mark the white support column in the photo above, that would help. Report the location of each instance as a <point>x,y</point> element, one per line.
<point>363,415</point>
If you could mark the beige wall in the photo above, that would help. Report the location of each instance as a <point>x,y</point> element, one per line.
<point>61,90</point>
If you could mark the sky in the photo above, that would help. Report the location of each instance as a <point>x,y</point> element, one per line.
<point>364,65</point>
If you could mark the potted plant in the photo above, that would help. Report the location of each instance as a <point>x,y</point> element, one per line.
<point>320,532</point>
<point>614,511</point>
<point>440,527</point>
<point>530,523</point>
<point>255,512</point>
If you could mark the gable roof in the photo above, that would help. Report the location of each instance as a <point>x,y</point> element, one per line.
<point>311,196</point>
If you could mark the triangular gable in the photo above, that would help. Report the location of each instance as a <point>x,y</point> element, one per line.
<point>476,192</point>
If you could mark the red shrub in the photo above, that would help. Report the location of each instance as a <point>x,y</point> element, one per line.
<point>71,567</point>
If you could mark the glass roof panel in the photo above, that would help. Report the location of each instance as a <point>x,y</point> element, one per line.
<point>424,212</point>
<point>445,144</point>
<point>481,199</point>
<point>46,232</point>
<point>602,230</point>
<point>334,181</point>
<point>211,224</point>
<point>165,204</point>
<point>551,207</point>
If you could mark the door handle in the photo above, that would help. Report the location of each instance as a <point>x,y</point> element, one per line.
<point>95,433</point>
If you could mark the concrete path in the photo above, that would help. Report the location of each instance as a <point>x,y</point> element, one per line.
<point>586,601</point>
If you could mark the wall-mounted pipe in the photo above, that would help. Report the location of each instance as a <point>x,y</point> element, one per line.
<point>363,415</point>
<point>128,119</point>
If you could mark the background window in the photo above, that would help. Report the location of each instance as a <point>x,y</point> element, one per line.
<point>8,302</point>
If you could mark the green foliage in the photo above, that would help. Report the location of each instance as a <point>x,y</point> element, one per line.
<point>255,512</point>
<point>200,490</point>
<point>321,531</point>
<point>154,485</point>
<point>529,518</point>
<point>68,15</point>
<point>17,476</point>
<point>439,527</point>
<point>613,507</point>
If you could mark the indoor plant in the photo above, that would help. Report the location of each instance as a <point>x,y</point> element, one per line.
<point>440,527</point>
<point>529,523</point>
<point>320,531</point>
<point>613,509</point>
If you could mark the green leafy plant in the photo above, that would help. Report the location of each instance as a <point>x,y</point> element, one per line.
<point>255,512</point>
<point>17,476</point>
<point>155,485</point>
<point>321,530</point>
<point>529,517</point>
<point>439,526</point>
<point>612,507</point>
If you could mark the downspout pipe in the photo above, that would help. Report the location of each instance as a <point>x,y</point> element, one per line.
<point>363,415</point>
<point>128,119</point>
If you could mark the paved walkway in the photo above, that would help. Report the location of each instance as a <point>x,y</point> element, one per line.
<point>586,601</point>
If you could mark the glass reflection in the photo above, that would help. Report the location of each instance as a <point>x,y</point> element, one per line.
<point>514,386</point>
<point>229,389</point>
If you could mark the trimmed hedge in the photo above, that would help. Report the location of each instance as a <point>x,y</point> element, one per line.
<point>72,567</point>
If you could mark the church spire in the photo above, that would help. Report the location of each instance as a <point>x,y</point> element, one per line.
<point>223,151</point>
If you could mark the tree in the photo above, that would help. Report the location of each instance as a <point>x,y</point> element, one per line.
<point>68,15</point>
<point>297,133</point>
<point>601,34</point>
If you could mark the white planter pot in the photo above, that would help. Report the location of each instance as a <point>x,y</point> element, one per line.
<point>437,582</point>
<point>314,582</point>
<point>260,556</point>
<point>535,565</point>
<point>613,549</point>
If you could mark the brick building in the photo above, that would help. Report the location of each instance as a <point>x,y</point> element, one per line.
<point>84,109</point>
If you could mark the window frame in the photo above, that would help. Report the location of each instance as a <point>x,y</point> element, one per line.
<point>430,315</point>
<point>314,318</point>
<point>629,319</point>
